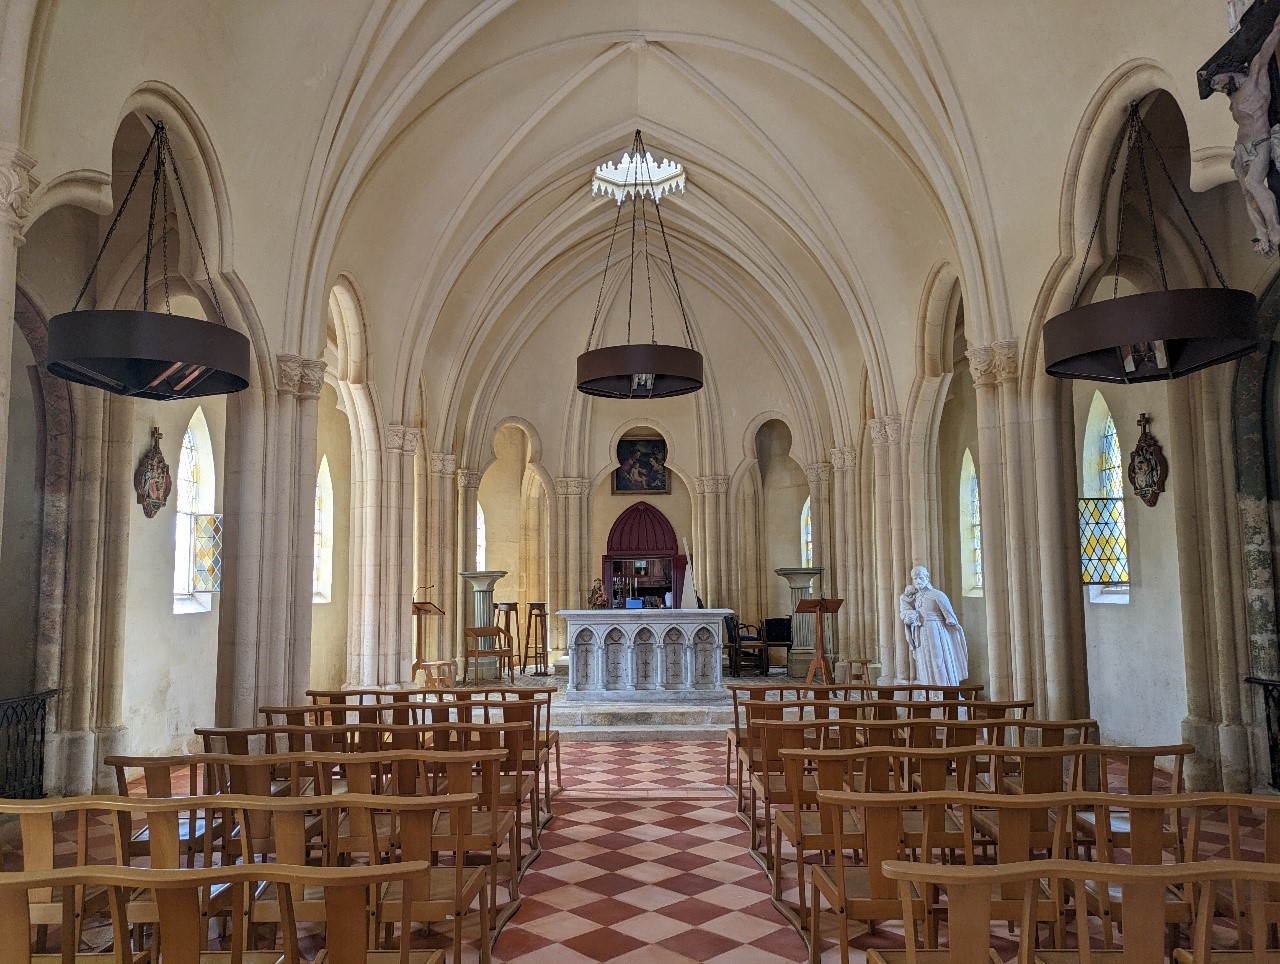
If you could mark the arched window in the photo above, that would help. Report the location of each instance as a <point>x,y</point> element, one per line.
<point>322,567</point>
<point>197,549</point>
<point>806,533</point>
<point>481,547</point>
<point>1104,538</point>
<point>970,528</point>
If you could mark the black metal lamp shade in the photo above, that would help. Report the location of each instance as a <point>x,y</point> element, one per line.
<point>639,371</point>
<point>1109,341</point>
<point>147,354</point>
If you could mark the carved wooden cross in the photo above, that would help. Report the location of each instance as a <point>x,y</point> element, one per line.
<point>1143,421</point>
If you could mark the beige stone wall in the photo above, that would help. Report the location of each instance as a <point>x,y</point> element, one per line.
<point>329,620</point>
<point>170,660</point>
<point>957,432</point>
<point>20,558</point>
<point>500,497</point>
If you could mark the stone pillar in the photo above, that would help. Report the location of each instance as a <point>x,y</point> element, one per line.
<point>468,485</point>
<point>569,522</point>
<point>713,538</point>
<point>895,662</point>
<point>986,365</point>
<point>819,475</point>
<point>15,191</point>
<point>441,551</point>
<point>311,380</point>
<point>481,613</point>
<point>800,581</point>
<point>395,637</point>
<point>845,536</point>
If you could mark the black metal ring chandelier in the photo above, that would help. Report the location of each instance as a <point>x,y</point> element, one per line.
<point>1153,335</point>
<point>149,354</point>
<point>640,370</point>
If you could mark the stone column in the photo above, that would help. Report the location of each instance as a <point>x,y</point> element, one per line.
<point>15,191</point>
<point>713,493</point>
<point>395,642</point>
<point>800,581</point>
<point>845,536</point>
<point>441,536</point>
<point>311,380</point>
<point>468,485</point>
<point>986,365</point>
<point>571,567</point>
<point>274,670</point>
<point>819,475</point>
<point>481,584</point>
<point>891,669</point>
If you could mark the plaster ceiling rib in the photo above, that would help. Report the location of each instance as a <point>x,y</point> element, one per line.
<point>565,219</point>
<point>855,293</point>
<point>581,271</point>
<point>942,177</point>
<point>387,113</point>
<point>952,107</point>
<point>324,199</point>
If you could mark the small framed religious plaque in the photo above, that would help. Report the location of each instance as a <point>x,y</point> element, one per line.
<point>1148,468</point>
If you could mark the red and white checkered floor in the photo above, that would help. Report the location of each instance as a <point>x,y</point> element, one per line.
<point>646,861</point>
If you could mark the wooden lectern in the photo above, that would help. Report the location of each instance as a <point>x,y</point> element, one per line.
<point>820,608</point>
<point>421,610</point>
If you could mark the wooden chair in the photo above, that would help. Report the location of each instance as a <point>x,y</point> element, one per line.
<point>742,642</point>
<point>487,642</point>
<point>775,633</point>
<point>507,615</point>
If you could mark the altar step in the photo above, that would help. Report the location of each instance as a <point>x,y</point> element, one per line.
<point>641,722</point>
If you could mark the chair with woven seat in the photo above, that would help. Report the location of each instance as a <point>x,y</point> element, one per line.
<point>742,645</point>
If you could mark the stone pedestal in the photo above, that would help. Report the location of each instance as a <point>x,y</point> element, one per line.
<point>800,580</point>
<point>482,584</point>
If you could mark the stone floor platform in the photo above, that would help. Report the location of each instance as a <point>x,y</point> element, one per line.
<point>641,722</point>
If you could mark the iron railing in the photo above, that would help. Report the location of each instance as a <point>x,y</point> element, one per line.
<point>22,722</point>
<point>1271,697</point>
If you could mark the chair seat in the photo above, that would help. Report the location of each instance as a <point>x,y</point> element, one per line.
<point>811,825</point>
<point>484,824</point>
<point>442,882</point>
<point>943,956</point>
<point>390,957</point>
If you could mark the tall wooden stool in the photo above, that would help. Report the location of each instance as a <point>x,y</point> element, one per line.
<point>504,614</point>
<point>535,640</point>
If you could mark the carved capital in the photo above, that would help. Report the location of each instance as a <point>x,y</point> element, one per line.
<point>469,479</point>
<point>402,438</point>
<point>844,458</point>
<point>311,377</point>
<point>572,486</point>
<point>16,184</point>
<point>411,439</point>
<point>993,364</point>
<point>886,430</point>
<point>442,464</point>
<point>818,472</point>
<point>711,484</point>
<point>288,373</point>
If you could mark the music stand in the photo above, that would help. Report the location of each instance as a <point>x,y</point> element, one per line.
<point>421,610</point>
<point>820,608</point>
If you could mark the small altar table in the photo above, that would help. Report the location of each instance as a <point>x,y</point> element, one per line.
<point>645,655</point>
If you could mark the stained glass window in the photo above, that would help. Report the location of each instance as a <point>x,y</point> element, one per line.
<point>975,515</point>
<point>1104,541</point>
<point>806,533</point>
<point>970,528</point>
<point>322,566</point>
<point>482,549</point>
<point>197,529</point>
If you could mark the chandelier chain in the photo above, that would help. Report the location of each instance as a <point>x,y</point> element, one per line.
<point>613,236</point>
<point>1124,190</point>
<point>1097,221</point>
<point>137,175</point>
<point>164,242</point>
<point>1151,210</point>
<point>684,315</point>
<point>156,179</point>
<point>1185,210</point>
<point>191,220</point>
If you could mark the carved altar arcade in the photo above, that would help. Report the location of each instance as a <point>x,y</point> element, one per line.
<point>645,655</point>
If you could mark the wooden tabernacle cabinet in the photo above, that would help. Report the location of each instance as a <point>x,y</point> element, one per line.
<point>642,561</point>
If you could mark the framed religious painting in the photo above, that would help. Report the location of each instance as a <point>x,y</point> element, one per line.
<point>642,467</point>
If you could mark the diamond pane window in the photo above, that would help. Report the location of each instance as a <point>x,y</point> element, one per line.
<point>970,528</point>
<point>206,569</point>
<point>975,509</point>
<point>322,563</point>
<point>482,548</point>
<point>1110,469</point>
<point>1104,545</point>
<point>806,533</point>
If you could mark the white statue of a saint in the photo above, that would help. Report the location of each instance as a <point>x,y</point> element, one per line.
<point>938,645</point>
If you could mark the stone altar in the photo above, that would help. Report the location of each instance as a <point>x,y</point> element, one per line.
<point>645,655</point>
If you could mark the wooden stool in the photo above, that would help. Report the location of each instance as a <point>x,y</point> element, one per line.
<point>504,614</point>
<point>498,646</point>
<point>535,640</point>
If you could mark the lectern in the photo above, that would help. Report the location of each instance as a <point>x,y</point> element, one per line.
<point>820,609</point>
<point>421,610</point>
